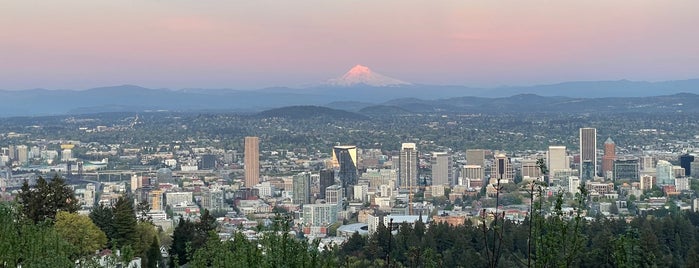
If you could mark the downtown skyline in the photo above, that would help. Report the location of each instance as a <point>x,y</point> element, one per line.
<point>249,45</point>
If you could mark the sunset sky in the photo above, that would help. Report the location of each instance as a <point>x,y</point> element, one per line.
<point>78,44</point>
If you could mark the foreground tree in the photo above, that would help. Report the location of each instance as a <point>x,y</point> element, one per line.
<point>46,199</point>
<point>182,238</point>
<point>26,244</point>
<point>81,232</point>
<point>124,223</point>
<point>103,217</point>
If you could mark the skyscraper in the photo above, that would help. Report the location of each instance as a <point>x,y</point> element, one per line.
<point>502,169</point>
<point>252,161</point>
<point>588,153</point>
<point>609,156</point>
<point>475,157</point>
<point>22,154</point>
<point>664,174</point>
<point>345,158</point>
<point>407,165</point>
<point>557,158</point>
<point>302,188</point>
<point>686,163</point>
<point>327,178</point>
<point>530,168</point>
<point>626,169</point>
<point>441,169</point>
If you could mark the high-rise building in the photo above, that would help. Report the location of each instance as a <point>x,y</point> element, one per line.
<point>212,200</point>
<point>686,163</point>
<point>530,168</point>
<point>502,169</point>
<point>682,184</point>
<point>647,182</point>
<point>12,152</point>
<point>333,195</point>
<point>208,161</point>
<point>407,165</point>
<point>664,173</point>
<point>609,156</point>
<point>155,199</point>
<point>588,153</point>
<point>22,154</point>
<point>573,184</point>
<point>136,182</point>
<point>473,172</point>
<point>175,198</point>
<point>647,162</point>
<point>557,158</point>
<point>475,157</point>
<point>319,214</point>
<point>626,169</point>
<point>327,178</point>
<point>302,188</point>
<point>441,169</point>
<point>345,158</point>
<point>252,161</point>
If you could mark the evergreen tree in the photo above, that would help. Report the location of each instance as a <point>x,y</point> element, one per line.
<point>124,223</point>
<point>153,256</point>
<point>182,237</point>
<point>103,217</point>
<point>45,199</point>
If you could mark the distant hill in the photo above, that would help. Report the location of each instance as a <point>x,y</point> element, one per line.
<point>529,103</point>
<point>384,110</point>
<point>302,112</point>
<point>592,96</point>
<point>352,106</point>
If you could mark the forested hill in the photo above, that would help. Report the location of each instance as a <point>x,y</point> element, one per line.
<point>301,112</point>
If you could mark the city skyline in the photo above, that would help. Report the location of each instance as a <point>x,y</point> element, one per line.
<point>249,45</point>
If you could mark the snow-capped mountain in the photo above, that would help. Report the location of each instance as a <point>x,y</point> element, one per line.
<point>360,74</point>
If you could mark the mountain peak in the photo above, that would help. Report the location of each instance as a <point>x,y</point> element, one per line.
<point>360,74</point>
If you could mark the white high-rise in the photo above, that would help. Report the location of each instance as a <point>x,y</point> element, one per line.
<point>441,169</point>
<point>557,159</point>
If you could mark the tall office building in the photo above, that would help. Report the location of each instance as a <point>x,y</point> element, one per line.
<point>530,168</point>
<point>441,169</point>
<point>686,163</point>
<point>302,188</point>
<point>588,153</point>
<point>558,160</point>
<point>22,154</point>
<point>626,169</point>
<point>609,156</point>
<point>136,183</point>
<point>475,157</point>
<point>502,169</point>
<point>327,178</point>
<point>155,199</point>
<point>407,165</point>
<point>333,195</point>
<point>252,161</point>
<point>12,152</point>
<point>664,173</point>
<point>472,172</point>
<point>345,158</point>
<point>647,162</point>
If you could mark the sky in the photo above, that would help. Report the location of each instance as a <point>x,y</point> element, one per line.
<point>242,44</point>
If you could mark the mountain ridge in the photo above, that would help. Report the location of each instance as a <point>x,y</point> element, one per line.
<point>135,98</point>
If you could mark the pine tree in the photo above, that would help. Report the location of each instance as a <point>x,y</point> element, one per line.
<point>153,257</point>
<point>103,217</point>
<point>124,223</point>
<point>45,199</point>
<point>182,237</point>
